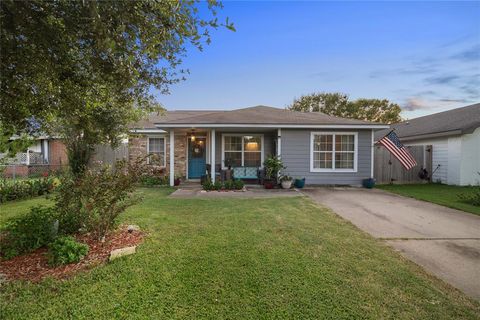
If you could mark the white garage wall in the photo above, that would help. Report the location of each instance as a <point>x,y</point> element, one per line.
<point>440,157</point>
<point>470,158</point>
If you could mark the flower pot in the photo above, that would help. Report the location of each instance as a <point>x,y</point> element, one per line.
<point>299,183</point>
<point>368,183</point>
<point>287,184</point>
<point>176,182</point>
<point>268,184</point>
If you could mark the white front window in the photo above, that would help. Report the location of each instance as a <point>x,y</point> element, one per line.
<point>333,151</point>
<point>242,150</point>
<point>156,151</point>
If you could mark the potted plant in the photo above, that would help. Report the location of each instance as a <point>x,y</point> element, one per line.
<point>368,183</point>
<point>273,165</point>
<point>177,181</point>
<point>286,181</point>
<point>299,183</point>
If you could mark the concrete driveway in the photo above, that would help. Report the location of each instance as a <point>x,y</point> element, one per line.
<point>446,242</point>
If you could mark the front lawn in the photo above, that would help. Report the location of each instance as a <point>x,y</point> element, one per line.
<point>441,194</point>
<point>242,259</point>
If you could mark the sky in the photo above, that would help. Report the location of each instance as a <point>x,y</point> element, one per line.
<point>425,56</point>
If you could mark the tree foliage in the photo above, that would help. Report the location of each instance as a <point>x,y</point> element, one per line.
<point>85,69</point>
<point>338,104</point>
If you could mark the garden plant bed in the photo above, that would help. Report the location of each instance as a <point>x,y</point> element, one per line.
<point>34,266</point>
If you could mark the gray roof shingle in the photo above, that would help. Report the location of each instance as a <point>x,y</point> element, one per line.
<point>456,121</point>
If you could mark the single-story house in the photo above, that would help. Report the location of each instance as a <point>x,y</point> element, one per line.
<point>44,154</point>
<point>326,150</point>
<point>455,139</point>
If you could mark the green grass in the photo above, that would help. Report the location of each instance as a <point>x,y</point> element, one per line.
<point>281,258</point>
<point>17,207</point>
<point>441,194</point>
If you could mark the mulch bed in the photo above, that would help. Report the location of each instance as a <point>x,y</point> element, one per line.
<point>34,266</point>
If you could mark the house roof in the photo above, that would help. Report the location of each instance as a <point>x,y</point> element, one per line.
<point>255,116</point>
<point>452,122</point>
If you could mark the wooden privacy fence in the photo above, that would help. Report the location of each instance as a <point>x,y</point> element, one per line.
<point>107,155</point>
<point>387,169</point>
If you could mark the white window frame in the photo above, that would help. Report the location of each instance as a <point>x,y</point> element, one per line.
<point>333,134</point>
<point>164,148</point>
<point>243,135</point>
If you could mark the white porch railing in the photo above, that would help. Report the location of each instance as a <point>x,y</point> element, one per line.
<point>25,158</point>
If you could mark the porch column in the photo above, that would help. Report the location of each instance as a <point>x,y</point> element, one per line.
<point>279,142</point>
<point>212,156</point>
<point>172,158</point>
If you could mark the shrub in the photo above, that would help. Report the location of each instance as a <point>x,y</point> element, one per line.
<point>94,201</point>
<point>149,181</point>
<point>217,185</point>
<point>229,185</point>
<point>65,250</point>
<point>22,189</point>
<point>472,198</point>
<point>28,232</point>
<point>239,184</point>
<point>207,185</point>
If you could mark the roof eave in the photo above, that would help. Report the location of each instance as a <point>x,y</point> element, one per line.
<point>279,125</point>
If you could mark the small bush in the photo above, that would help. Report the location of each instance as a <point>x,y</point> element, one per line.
<point>239,184</point>
<point>94,201</point>
<point>149,181</point>
<point>22,189</point>
<point>28,232</point>
<point>65,250</point>
<point>217,185</point>
<point>207,185</point>
<point>229,185</point>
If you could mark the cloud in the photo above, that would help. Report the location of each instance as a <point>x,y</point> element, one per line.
<point>471,54</point>
<point>418,103</point>
<point>443,79</point>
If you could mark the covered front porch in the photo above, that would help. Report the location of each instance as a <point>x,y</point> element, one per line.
<point>209,152</point>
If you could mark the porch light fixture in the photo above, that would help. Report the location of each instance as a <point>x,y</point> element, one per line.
<point>192,136</point>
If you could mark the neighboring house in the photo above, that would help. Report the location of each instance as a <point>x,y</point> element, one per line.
<point>455,139</point>
<point>46,153</point>
<point>324,149</point>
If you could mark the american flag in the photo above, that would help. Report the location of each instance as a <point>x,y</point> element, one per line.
<point>393,144</point>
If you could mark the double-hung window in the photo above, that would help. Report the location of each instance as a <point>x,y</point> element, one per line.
<point>333,151</point>
<point>242,150</point>
<point>156,151</point>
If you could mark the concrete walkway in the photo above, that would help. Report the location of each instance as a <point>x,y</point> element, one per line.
<point>446,242</point>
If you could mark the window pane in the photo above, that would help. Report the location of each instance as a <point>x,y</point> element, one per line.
<point>234,157</point>
<point>233,143</point>
<point>344,160</point>
<point>344,143</point>
<point>252,143</point>
<point>253,159</point>
<point>322,160</point>
<point>323,143</point>
<point>155,145</point>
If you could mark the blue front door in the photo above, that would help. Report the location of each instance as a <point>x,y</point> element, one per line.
<point>196,158</point>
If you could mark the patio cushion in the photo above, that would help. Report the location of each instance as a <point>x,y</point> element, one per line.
<point>238,172</point>
<point>245,173</point>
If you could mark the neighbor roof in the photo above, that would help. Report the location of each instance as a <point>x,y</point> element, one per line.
<point>258,116</point>
<point>452,122</point>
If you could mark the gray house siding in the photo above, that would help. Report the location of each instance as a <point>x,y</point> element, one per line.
<point>269,140</point>
<point>296,156</point>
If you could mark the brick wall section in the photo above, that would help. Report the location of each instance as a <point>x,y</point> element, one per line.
<point>57,152</point>
<point>137,147</point>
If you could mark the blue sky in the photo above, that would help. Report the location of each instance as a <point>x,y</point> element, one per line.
<point>423,55</point>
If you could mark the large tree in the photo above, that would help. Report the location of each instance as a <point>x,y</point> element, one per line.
<point>338,104</point>
<point>85,69</point>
